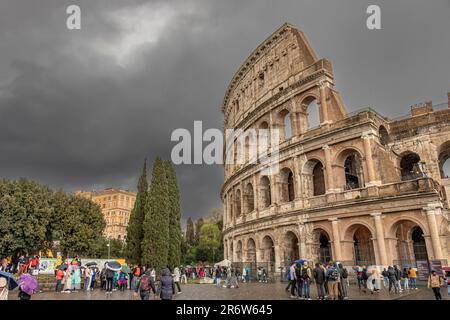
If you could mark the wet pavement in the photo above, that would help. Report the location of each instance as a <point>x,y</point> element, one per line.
<point>246,291</point>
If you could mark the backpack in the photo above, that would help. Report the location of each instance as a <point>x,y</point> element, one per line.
<point>344,274</point>
<point>365,275</point>
<point>305,273</point>
<point>333,274</point>
<point>145,283</point>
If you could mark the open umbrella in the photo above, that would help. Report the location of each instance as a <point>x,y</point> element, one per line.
<point>12,283</point>
<point>113,265</point>
<point>126,269</point>
<point>91,264</point>
<point>28,284</point>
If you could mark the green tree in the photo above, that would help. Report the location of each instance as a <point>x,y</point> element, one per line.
<point>173,206</point>
<point>198,226</point>
<point>190,234</point>
<point>155,244</point>
<point>25,215</point>
<point>135,233</point>
<point>209,242</point>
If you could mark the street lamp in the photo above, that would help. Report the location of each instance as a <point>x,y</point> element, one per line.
<point>109,247</point>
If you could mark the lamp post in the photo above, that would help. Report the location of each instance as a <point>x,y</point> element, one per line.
<point>109,247</point>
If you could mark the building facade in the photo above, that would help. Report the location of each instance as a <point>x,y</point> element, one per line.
<point>116,207</point>
<point>358,188</point>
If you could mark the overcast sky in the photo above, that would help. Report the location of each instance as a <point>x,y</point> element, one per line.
<point>81,109</point>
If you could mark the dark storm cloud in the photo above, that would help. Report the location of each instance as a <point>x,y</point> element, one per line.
<point>81,109</point>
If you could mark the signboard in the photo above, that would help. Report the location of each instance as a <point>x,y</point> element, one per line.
<point>423,270</point>
<point>436,265</point>
<point>47,265</point>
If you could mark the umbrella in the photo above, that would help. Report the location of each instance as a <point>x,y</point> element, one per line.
<point>62,267</point>
<point>28,284</point>
<point>126,269</point>
<point>113,265</point>
<point>91,264</point>
<point>12,283</point>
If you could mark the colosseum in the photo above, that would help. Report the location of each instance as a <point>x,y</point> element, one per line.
<point>359,188</point>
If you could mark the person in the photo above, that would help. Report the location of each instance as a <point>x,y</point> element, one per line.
<point>264,275</point>
<point>87,278</point>
<point>176,279</point>
<point>103,279</point>
<point>244,274</point>
<point>374,279</point>
<point>23,295</point>
<point>67,280</point>
<point>109,274</point>
<point>218,276</point>
<point>343,284</point>
<point>233,279</point>
<point>153,274</point>
<point>306,276</point>
<point>247,273</point>
<point>319,278</point>
<point>392,280</point>
<point>385,275</point>
<point>405,279</point>
<point>144,286</point>
<point>76,279</point>
<point>167,285</point>
<point>136,276</point>
<point>359,277</point>
<point>93,278</point>
<point>123,280</point>
<point>184,277</point>
<point>59,279</point>
<point>412,275</point>
<point>292,279</point>
<point>365,277</point>
<point>3,289</point>
<point>435,282</point>
<point>333,281</point>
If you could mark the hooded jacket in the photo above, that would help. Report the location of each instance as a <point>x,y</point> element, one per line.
<point>167,285</point>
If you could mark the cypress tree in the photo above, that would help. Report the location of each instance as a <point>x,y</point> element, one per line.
<point>198,227</point>
<point>190,237</point>
<point>135,233</point>
<point>155,245</point>
<point>174,255</point>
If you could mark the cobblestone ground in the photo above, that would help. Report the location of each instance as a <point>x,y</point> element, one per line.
<point>250,291</point>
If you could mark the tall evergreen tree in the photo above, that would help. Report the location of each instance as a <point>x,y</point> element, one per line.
<point>135,233</point>
<point>190,234</point>
<point>155,245</point>
<point>174,216</point>
<point>198,227</point>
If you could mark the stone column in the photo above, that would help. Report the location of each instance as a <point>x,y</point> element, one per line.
<point>275,192</point>
<point>381,244</point>
<point>234,251</point>
<point>336,239</point>
<point>297,179</point>
<point>323,103</point>
<point>243,214</point>
<point>329,169</point>
<point>367,137</point>
<point>434,232</point>
<point>277,259</point>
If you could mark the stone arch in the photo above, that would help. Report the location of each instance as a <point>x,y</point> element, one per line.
<point>251,250</point>
<point>287,185</point>
<point>237,201</point>
<point>291,247</point>
<point>313,178</point>
<point>321,247</point>
<point>444,160</point>
<point>249,199</point>
<point>263,137</point>
<point>410,245</point>
<point>310,113</point>
<point>284,124</point>
<point>383,135</point>
<point>239,251</point>
<point>350,169</point>
<point>410,166</point>
<point>265,192</point>
<point>268,252</point>
<point>361,235</point>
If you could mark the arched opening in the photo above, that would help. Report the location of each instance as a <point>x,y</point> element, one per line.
<point>321,247</point>
<point>419,246</point>
<point>311,113</point>
<point>384,136</point>
<point>265,192</point>
<point>291,248</point>
<point>263,138</point>
<point>287,185</point>
<point>444,160</point>
<point>410,244</point>
<point>313,178</point>
<point>231,252</point>
<point>362,246</point>
<point>239,251</point>
<point>251,250</point>
<point>353,171</point>
<point>411,167</point>
<point>230,207</point>
<point>249,200</point>
<point>238,203</point>
<point>268,253</point>
<point>284,125</point>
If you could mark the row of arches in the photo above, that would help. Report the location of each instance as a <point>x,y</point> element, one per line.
<point>358,247</point>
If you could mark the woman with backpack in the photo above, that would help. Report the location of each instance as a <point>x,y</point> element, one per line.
<point>306,276</point>
<point>343,284</point>
<point>333,278</point>
<point>144,286</point>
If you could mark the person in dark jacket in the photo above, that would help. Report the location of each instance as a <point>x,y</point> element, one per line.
<point>319,278</point>
<point>109,280</point>
<point>392,281</point>
<point>398,277</point>
<point>167,285</point>
<point>145,285</point>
